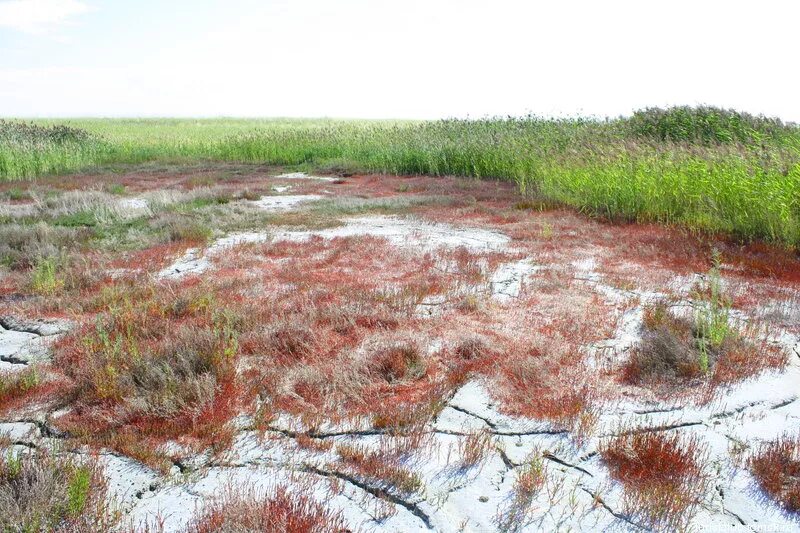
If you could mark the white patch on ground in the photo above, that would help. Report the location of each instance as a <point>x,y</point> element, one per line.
<point>19,431</point>
<point>18,210</point>
<point>303,176</point>
<point>281,188</point>
<point>410,232</point>
<point>285,203</point>
<point>197,261</point>
<point>405,232</point>
<point>134,204</point>
<point>508,280</point>
<point>128,480</point>
<point>25,341</point>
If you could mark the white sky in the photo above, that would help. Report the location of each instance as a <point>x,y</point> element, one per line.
<point>402,59</point>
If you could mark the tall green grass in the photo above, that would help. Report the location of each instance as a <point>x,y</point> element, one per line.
<point>705,168</point>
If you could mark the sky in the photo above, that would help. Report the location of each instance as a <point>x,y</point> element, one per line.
<point>395,59</point>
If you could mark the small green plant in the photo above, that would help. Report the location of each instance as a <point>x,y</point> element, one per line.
<point>17,193</point>
<point>711,321</point>
<point>78,490</point>
<point>547,231</point>
<point>45,279</point>
<point>115,188</point>
<point>86,218</point>
<point>43,492</point>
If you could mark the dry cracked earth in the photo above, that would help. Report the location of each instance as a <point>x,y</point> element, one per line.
<point>397,353</point>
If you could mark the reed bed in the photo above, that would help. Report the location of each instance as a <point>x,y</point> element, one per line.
<point>707,169</point>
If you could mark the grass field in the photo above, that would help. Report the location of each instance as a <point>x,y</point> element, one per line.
<point>703,168</point>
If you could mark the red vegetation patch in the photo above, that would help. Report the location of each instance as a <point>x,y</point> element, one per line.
<point>282,511</point>
<point>27,388</point>
<point>776,466</point>
<point>151,259</point>
<point>662,473</point>
<point>379,468</point>
<point>541,371</point>
<point>155,364</point>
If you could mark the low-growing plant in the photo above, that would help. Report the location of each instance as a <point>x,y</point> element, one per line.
<point>45,277</point>
<point>776,466</point>
<point>13,385</point>
<point>281,510</point>
<point>661,473</point>
<point>379,468</point>
<point>115,188</point>
<point>45,492</point>
<point>16,194</point>
<point>153,364</point>
<point>191,231</point>
<point>667,350</point>
<point>530,478</point>
<point>399,361</point>
<point>471,348</point>
<point>474,449</point>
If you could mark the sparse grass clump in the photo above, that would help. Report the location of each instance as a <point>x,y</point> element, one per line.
<point>530,480</point>
<point>43,492</point>
<point>662,474</point>
<point>192,231</point>
<point>776,466</point>
<point>474,449</point>
<point>278,511</point>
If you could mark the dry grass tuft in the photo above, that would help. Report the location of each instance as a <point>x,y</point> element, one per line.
<point>530,479</point>
<point>474,449</point>
<point>667,351</point>
<point>776,466</point>
<point>471,348</point>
